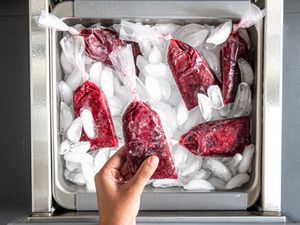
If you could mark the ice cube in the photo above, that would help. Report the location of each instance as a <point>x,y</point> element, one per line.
<point>160,70</point>
<point>182,113</point>
<point>74,131</point>
<point>219,184</point>
<point>201,174</point>
<point>246,71</point>
<point>237,181</point>
<point>205,106</point>
<point>95,73</point>
<point>220,33</point>
<point>66,94</point>
<point>115,105</point>
<point>100,159</point>
<point>242,100</point>
<point>213,61</point>
<point>165,88</point>
<point>76,157</point>
<point>196,39</point>
<point>66,64</point>
<point>124,95</point>
<point>247,158</point>
<point>168,114</point>
<point>166,28</point>
<point>146,47</point>
<point>179,155</point>
<point>165,183</point>
<point>141,89</point>
<point>194,118</point>
<point>88,122</point>
<point>175,96</point>
<point>74,49</point>
<point>75,79</point>
<point>81,147</point>
<point>215,96</point>
<point>107,82</point>
<point>152,86</point>
<point>64,147</point>
<point>141,63</point>
<point>76,178</point>
<point>187,30</point>
<point>192,165</point>
<point>244,34</point>
<point>88,173</point>
<point>225,111</point>
<point>155,55</point>
<point>218,169</point>
<point>199,184</point>
<point>235,161</point>
<point>65,117</point>
<point>76,167</point>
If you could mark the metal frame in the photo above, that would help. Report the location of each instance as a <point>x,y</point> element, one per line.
<point>40,112</point>
<point>272,110</point>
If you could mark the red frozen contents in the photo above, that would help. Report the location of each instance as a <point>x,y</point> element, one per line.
<point>99,43</point>
<point>89,96</point>
<point>234,48</point>
<point>218,138</point>
<point>144,137</point>
<point>190,71</point>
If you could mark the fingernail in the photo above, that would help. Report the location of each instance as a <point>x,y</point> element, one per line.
<point>153,160</point>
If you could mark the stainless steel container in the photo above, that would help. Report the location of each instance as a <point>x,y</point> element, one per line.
<point>47,180</point>
<point>75,197</point>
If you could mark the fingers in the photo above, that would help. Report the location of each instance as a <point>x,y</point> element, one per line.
<point>144,173</point>
<point>124,169</point>
<point>117,160</point>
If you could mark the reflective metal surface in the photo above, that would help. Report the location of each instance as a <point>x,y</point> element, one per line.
<point>272,107</point>
<point>170,217</point>
<point>167,9</point>
<point>71,196</point>
<point>40,112</point>
<point>272,85</point>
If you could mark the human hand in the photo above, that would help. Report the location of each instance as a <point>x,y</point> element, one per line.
<point>118,195</point>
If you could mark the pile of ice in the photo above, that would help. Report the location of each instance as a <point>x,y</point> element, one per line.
<point>156,86</point>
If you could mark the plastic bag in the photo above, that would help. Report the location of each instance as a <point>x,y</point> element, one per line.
<point>218,138</point>
<point>142,129</point>
<point>99,41</point>
<point>232,50</point>
<point>190,70</point>
<point>90,96</point>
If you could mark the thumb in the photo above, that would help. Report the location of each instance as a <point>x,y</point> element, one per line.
<point>144,173</point>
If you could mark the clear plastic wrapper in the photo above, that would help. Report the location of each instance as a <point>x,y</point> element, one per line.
<point>234,48</point>
<point>99,41</point>
<point>218,138</point>
<point>142,129</point>
<point>191,72</point>
<point>89,96</point>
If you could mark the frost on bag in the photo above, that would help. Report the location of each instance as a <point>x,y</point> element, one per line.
<point>232,50</point>
<point>89,96</point>
<point>142,129</point>
<point>99,41</point>
<point>190,71</point>
<point>218,138</point>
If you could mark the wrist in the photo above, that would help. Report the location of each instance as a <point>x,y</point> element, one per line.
<point>117,222</point>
